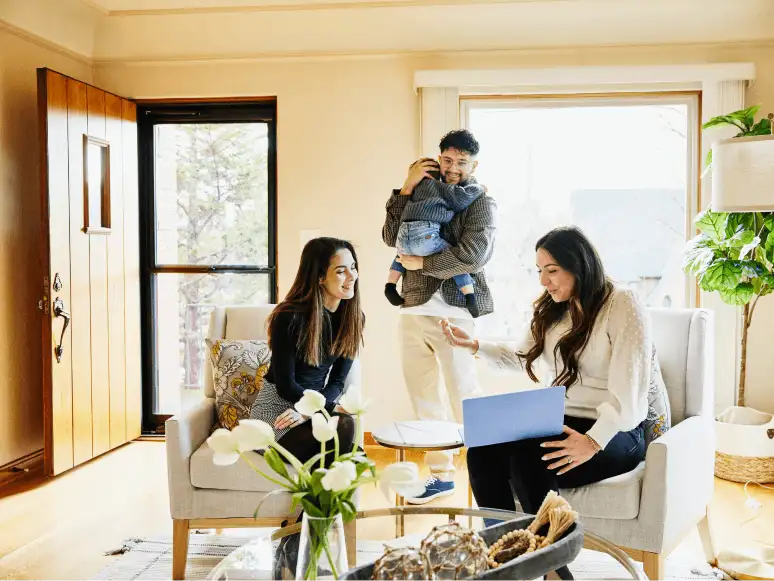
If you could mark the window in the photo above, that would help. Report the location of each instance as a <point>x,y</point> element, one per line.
<point>96,185</point>
<point>208,183</point>
<point>621,168</point>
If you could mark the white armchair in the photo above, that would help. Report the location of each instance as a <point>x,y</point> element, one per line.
<point>202,495</point>
<point>648,511</point>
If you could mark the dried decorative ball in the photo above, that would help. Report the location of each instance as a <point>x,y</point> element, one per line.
<point>402,563</point>
<point>455,552</point>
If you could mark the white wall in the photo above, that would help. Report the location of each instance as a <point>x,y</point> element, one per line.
<point>347,129</point>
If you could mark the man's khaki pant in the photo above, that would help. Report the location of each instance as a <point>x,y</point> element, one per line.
<point>425,352</point>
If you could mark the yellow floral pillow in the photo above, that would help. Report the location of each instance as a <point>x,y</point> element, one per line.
<point>238,369</point>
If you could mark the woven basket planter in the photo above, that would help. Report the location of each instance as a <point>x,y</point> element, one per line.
<point>745,445</point>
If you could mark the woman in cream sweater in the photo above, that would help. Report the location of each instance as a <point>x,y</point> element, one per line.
<point>591,336</point>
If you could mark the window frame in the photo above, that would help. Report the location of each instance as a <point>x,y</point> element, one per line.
<point>691,98</point>
<point>171,112</point>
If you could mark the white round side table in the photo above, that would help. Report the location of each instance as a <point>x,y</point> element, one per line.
<point>419,436</point>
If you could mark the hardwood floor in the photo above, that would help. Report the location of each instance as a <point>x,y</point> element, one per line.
<point>60,529</point>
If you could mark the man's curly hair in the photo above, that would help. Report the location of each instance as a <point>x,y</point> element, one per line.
<point>461,140</point>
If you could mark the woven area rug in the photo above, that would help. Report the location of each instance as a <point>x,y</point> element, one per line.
<point>151,558</point>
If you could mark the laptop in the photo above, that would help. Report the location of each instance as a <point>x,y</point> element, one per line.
<point>508,417</point>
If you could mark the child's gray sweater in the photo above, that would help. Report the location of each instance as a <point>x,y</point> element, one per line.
<point>436,201</point>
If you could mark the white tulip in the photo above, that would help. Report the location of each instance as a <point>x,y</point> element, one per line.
<point>403,478</point>
<point>322,428</point>
<point>353,401</point>
<point>339,477</point>
<point>253,435</point>
<point>225,447</point>
<point>310,403</point>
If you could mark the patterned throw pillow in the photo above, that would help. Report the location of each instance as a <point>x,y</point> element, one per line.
<point>238,369</point>
<point>659,418</point>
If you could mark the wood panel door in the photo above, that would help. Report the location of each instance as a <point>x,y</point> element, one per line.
<point>90,271</point>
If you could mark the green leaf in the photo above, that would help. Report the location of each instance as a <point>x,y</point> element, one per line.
<point>311,509</point>
<point>747,116</point>
<point>723,274</point>
<point>768,248</point>
<point>752,268</point>
<point>762,127</point>
<point>768,221</point>
<point>316,483</point>
<point>717,121</point>
<point>740,221</point>
<point>740,239</point>
<point>274,461</point>
<point>713,224</point>
<point>739,295</point>
<point>765,284</point>
<point>707,164</point>
<point>348,511</point>
<point>749,248</point>
<point>699,253</point>
<point>297,498</point>
<point>744,119</point>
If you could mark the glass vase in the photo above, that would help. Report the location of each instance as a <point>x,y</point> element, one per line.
<point>322,551</point>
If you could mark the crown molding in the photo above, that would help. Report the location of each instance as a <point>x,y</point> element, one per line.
<point>538,53</point>
<point>46,43</point>
<point>290,5</point>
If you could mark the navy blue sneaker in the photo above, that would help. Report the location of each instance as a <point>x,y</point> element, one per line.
<point>434,488</point>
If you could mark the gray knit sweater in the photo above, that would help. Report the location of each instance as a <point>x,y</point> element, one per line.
<point>436,201</point>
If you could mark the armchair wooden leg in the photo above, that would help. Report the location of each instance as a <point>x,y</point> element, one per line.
<point>350,537</point>
<point>705,533</point>
<point>179,548</point>
<point>653,563</point>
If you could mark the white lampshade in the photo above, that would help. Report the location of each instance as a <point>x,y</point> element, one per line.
<point>743,174</point>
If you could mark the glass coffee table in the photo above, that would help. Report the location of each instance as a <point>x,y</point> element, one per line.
<point>255,559</point>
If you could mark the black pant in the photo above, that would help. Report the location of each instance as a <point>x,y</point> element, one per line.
<point>493,469</point>
<point>300,441</point>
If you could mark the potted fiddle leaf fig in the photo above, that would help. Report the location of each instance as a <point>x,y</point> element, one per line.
<point>733,255</point>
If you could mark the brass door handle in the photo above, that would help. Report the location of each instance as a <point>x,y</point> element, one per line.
<point>60,312</point>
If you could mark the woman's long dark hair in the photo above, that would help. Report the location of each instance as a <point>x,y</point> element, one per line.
<point>305,298</point>
<point>574,253</point>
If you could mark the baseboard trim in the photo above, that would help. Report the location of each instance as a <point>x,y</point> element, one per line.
<point>26,459</point>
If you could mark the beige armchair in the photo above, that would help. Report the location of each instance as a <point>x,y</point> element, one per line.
<point>202,495</point>
<point>648,511</point>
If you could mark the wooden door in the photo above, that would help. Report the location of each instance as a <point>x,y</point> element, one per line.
<point>90,271</point>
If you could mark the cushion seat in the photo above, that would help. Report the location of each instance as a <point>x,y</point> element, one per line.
<point>237,476</point>
<point>594,500</point>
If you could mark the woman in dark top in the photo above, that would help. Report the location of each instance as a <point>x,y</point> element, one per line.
<point>314,336</point>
